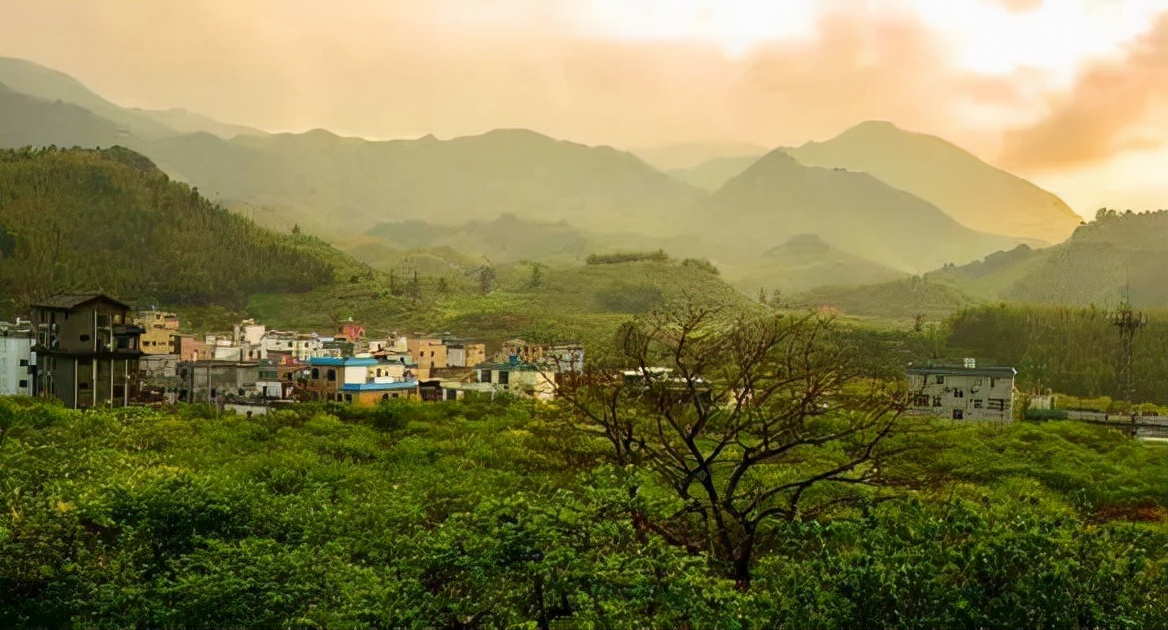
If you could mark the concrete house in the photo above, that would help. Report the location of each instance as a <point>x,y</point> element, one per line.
<point>460,354</point>
<point>363,380</point>
<point>87,350</point>
<point>520,378</point>
<point>962,393</point>
<point>206,381</point>
<point>16,361</point>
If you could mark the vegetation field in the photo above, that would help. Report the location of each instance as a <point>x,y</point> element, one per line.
<point>496,514</point>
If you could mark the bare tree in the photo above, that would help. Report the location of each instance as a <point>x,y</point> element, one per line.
<point>749,421</point>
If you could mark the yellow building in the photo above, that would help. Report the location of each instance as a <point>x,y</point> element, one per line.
<point>160,326</point>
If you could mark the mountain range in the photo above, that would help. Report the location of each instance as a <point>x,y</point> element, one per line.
<point>874,203</point>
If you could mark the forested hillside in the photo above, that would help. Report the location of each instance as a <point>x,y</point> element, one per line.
<point>109,220</point>
<point>1070,350</point>
<point>1118,254</point>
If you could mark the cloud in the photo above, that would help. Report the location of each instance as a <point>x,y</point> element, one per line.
<point>1114,106</point>
<point>1019,6</point>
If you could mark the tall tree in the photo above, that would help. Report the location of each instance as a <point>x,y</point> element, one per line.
<point>750,422</point>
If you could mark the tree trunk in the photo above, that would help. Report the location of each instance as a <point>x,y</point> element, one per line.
<point>742,557</point>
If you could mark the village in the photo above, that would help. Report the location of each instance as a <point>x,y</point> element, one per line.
<point>93,350</point>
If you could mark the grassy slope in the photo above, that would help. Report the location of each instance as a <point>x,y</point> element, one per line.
<point>583,303</point>
<point>900,300</point>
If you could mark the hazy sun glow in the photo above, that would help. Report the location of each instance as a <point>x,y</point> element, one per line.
<point>1043,88</point>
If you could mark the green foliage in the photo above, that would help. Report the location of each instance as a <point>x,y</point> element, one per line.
<point>658,256</point>
<point>485,513</point>
<point>1075,351</point>
<point>7,243</point>
<point>108,220</point>
<point>1046,414</point>
<point>702,265</point>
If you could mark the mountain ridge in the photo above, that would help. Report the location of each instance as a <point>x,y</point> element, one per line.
<point>973,192</point>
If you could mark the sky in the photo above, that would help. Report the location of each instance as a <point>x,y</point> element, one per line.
<point>1071,94</point>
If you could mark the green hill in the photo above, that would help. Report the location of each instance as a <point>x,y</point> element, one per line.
<point>689,155</point>
<point>805,262</point>
<point>712,174</point>
<point>43,83</point>
<point>109,220</point>
<point>317,176</point>
<point>900,300</point>
<point>29,121</point>
<point>1095,266</point>
<point>183,121</point>
<point>508,238</point>
<point>974,193</point>
<point>778,198</point>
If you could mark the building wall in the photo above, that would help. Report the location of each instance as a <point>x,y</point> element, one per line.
<point>156,341</point>
<point>428,353</point>
<point>966,397</point>
<point>76,329</point>
<point>15,357</point>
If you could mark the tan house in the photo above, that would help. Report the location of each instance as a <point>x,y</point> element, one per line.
<point>428,354</point>
<point>159,327</point>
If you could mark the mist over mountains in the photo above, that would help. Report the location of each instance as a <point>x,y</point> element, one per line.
<point>875,203</point>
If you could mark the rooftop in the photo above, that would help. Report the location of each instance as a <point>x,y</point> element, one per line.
<point>73,300</point>
<point>957,370</point>
<point>379,387</point>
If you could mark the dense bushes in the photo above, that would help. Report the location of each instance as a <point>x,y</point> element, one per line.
<point>492,514</point>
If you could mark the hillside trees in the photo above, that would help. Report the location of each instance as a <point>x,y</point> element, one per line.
<point>1070,350</point>
<point>750,422</point>
<point>109,220</point>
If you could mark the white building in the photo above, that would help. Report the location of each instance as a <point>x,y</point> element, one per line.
<point>962,393</point>
<point>16,361</point>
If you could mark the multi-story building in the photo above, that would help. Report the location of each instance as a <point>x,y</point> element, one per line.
<point>87,350</point>
<point>429,354</point>
<point>16,360</point>
<point>363,380</point>
<point>962,393</point>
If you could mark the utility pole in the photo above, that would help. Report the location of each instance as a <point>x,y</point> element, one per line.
<point>1128,321</point>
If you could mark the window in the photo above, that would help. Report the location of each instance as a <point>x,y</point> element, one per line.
<point>23,384</point>
<point>936,401</point>
<point>84,337</point>
<point>332,375</point>
<point>83,386</point>
<point>977,404</point>
<point>958,414</point>
<point>940,380</point>
<point>24,363</point>
<point>957,393</point>
<point>921,400</point>
<point>315,372</point>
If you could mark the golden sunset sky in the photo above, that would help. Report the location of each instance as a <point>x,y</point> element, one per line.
<point>1072,94</point>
